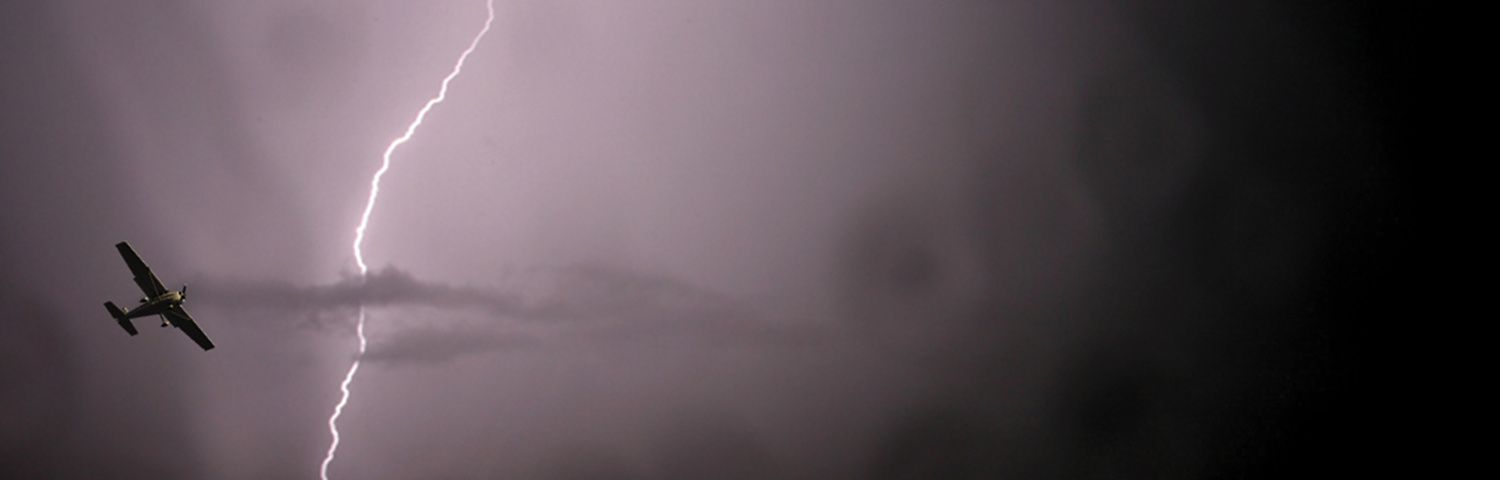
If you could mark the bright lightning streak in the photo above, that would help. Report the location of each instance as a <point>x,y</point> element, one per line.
<point>333,420</point>
<point>364,221</point>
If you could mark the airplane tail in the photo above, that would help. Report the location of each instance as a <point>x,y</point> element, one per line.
<point>120,317</point>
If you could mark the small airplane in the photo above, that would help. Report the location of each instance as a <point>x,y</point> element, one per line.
<point>158,301</point>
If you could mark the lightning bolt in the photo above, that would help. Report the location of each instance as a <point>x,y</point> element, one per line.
<point>364,221</point>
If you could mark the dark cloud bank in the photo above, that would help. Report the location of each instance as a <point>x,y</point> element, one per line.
<point>1178,260</point>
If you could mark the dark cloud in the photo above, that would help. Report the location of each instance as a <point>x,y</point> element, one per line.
<point>437,345</point>
<point>586,462</point>
<point>705,444</point>
<point>39,388</point>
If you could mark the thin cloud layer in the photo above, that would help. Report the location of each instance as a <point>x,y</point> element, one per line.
<point>389,286</point>
<point>563,293</point>
<point>434,322</point>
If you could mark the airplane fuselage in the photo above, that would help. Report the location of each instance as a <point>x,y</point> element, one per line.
<point>156,306</point>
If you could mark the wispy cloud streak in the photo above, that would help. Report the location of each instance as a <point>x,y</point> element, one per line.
<point>582,302</point>
<point>562,293</point>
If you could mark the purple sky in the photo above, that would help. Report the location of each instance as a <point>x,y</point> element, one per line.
<point>691,239</point>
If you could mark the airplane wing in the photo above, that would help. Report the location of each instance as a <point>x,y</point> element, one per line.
<point>143,275</point>
<point>184,322</point>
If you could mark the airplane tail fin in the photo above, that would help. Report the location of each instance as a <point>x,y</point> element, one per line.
<point>120,317</point>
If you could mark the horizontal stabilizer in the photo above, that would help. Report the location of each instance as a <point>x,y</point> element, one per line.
<point>129,327</point>
<point>120,317</point>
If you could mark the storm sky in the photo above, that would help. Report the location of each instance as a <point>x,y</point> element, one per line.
<point>670,239</point>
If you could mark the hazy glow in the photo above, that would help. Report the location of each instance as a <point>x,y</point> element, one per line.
<point>364,221</point>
